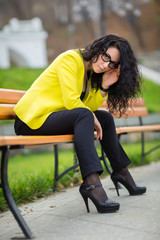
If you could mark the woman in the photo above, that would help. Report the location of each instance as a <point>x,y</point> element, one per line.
<point>64,100</point>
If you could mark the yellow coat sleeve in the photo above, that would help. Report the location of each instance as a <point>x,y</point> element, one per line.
<point>71,85</point>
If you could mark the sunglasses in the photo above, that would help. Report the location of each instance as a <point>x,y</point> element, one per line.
<point>106,58</point>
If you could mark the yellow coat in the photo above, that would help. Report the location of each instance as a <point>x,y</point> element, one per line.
<point>58,88</point>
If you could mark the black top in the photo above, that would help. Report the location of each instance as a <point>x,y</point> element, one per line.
<point>83,93</point>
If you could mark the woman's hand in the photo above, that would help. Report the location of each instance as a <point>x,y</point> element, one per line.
<point>98,128</point>
<point>110,77</point>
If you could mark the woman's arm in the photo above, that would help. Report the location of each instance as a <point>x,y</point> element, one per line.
<point>70,74</point>
<point>109,78</point>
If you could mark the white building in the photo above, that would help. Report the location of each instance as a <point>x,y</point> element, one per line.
<point>23,43</point>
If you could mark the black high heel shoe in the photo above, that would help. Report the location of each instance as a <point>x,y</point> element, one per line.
<point>120,177</point>
<point>102,207</point>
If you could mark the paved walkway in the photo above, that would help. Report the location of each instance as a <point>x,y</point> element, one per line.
<point>63,216</point>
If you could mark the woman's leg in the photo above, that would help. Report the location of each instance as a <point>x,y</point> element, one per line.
<point>79,121</point>
<point>115,153</point>
<point>110,143</point>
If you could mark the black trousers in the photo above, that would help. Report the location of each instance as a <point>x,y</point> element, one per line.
<point>80,121</point>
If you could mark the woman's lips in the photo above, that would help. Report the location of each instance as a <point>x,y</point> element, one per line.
<point>100,68</point>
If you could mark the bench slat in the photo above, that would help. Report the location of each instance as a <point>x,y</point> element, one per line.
<point>6,111</point>
<point>31,140</point>
<point>138,102</point>
<point>131,129</point>
<point>10,96</point>
<point>34,140</point>
<point>131,112</point>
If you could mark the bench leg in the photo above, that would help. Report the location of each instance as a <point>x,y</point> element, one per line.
<point>8,195</point>
<point>143,150</point>
<point>142,142</point>
<point>55,167</point>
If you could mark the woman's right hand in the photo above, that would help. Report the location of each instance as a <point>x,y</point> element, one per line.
<point>110,77</point>
<point>98,128</point>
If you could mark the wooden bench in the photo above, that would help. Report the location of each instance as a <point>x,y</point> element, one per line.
<point>8,99</point>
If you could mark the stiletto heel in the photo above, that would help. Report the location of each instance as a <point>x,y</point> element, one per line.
<point>85,198</point>
<point>120,177</point>
<point>116,187</point>
<point>102,207</point>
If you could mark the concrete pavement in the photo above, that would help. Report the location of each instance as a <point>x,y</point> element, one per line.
<point>63,216</point>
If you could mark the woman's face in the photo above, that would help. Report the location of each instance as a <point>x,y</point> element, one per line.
<point>107,61</point>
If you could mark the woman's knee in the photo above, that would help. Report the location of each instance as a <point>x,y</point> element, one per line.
<point>104,117</point>
<point>103,114</point>
<point>85,116</point>
<point>85,113</point>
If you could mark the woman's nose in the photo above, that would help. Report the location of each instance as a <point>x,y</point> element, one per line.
<point>105,64</point>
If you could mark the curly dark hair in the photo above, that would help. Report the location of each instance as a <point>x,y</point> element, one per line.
<point>129,84</point>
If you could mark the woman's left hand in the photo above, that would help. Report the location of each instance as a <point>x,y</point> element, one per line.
<point>98,128</point>
<point>110,77</point>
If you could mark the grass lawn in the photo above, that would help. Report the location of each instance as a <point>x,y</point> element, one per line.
<point>151,95</point>
<point>18,78</point>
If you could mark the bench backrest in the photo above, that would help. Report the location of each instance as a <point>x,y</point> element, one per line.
<point>9,98</point>
<point>136,108</point>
